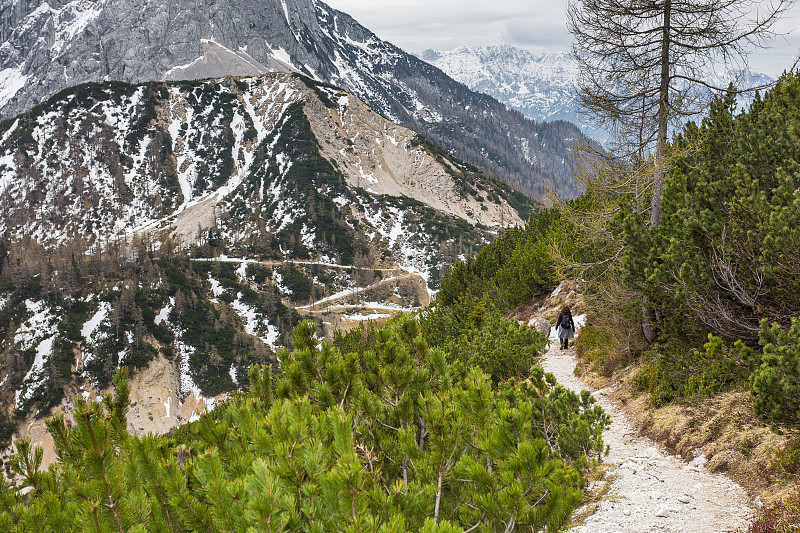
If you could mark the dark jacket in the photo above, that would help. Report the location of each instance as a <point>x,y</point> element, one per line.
<point>567,326</point>
<point>565,321</point>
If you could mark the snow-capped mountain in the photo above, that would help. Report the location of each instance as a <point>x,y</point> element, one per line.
<point>101,161</point>
<point>541,86</point>
<point>48,46</point>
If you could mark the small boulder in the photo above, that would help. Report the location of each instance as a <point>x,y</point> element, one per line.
<point>698,462</point>
<point>542,325</point>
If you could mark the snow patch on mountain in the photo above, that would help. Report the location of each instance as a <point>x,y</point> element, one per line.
<point>37,332</point>
<point>256,324</point>
<point>89,328</point>
<point>11,81</point>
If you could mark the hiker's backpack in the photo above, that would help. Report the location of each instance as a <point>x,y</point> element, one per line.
<point>566,321</point>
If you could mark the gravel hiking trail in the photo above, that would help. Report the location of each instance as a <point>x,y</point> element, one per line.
<point>651,490</point>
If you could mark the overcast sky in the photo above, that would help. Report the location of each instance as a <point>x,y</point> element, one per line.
<point>537,25</point>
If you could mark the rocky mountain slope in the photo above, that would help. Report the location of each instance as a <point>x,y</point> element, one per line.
<point>540,86</point>
<point>183,229</point>
<point>106,161</point>
<point>48,46</point>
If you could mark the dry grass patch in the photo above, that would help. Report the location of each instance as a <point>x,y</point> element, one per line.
<point>598,484</point>
<point>724,429</point>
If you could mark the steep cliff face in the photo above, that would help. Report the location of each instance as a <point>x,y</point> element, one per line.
<point>48,46</point>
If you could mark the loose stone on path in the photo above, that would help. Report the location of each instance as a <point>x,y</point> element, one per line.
<point>650,489</point>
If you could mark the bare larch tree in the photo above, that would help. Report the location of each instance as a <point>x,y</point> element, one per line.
<point>645,64</point>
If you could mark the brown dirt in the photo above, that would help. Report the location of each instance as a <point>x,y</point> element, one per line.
<point>156,407</point>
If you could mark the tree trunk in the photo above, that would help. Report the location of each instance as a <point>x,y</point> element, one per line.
<point>647,322</point>
<point>661,151</point>
<point>438,498</point>
<point>663,117</point>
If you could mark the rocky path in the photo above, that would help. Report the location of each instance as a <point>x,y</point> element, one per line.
<point>651,490</point>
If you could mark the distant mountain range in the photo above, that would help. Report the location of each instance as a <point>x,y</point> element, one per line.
<point>540,86</point>
<point>49,46</point>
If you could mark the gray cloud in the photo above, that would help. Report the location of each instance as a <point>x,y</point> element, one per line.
<point>445,24</point>
<point>544,31</point>
<point>537,25</point>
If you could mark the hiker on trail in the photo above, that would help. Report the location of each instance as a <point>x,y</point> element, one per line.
<point>565,327</point>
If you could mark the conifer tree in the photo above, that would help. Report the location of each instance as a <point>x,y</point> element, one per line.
<point>644,66</point>
<point>727,248</point>
<point>641,63</point>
